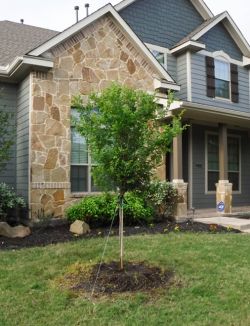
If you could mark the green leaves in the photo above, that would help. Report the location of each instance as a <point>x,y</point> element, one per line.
<point>124,136</point>
<point>6,138</point>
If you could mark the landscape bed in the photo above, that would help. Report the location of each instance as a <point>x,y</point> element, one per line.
<point>45,235</point>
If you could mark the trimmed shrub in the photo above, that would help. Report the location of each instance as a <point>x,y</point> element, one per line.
<point>98,210</point>
<point>9,201</point>
<point>164,198</point>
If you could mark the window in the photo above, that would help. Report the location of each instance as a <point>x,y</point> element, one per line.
<point>159,53</point>
<point>159,56</point>
<point>212,161</point>
<point>81,163</point>
<point>234,162</point>
<point>222,79</point>
<point>233,144</point>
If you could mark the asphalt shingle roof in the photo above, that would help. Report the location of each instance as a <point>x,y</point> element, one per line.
<point>17,39</point>
<point>197,30</point>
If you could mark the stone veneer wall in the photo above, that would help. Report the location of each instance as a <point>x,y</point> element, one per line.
<point>87,62</point>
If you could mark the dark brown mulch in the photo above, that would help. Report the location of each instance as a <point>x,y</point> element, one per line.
<point>134,277</point>
<point>60,233</point>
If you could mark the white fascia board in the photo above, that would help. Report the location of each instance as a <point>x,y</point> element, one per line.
<point>70,31</point>
<point>199,5</point>
<point>216,110</point>
<point>208,27</point>
<point>38,62</point>
<point>90,19</point>
<point>25,60</point>
<point>232,29</point>
<point>202,8</point>
<point>246,62</point>
<point>186,45</point>
<point>237,35</point>
<point>10,67</point>
<point>161,84</point>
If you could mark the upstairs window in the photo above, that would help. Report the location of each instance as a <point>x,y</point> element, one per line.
<point>160,57</point>
<point>222,79</point>
<point>159,53</point>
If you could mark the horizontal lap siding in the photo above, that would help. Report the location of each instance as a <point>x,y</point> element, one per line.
<point>182,77</point>
<point>22,164</point>
<point>162,22</point>
<point>171,66</point>
<point>218,39</point>
<point>199,89</point>
<point>8,103</point>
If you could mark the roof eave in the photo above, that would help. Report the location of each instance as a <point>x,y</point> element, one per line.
<point>190,45</point>
<point>124,27</point>
<point>200,6</point>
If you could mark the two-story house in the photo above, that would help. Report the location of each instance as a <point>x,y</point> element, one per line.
<point>151,45</point>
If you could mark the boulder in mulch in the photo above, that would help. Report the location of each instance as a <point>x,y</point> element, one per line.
<point>19,231</point>
<point>79,227</point>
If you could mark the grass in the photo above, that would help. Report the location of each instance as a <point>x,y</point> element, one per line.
<point>213,271</point>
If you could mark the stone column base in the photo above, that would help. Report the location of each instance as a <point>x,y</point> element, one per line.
<point>224,190</point>
<point>181,208</point>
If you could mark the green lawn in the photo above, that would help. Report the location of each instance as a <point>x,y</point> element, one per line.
<point>211,271</point>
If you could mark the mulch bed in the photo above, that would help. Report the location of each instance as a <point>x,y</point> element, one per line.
<point>47,235</point>
<point>111,279</point>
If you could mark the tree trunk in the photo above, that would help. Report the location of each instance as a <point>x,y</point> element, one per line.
<point>121,202</point>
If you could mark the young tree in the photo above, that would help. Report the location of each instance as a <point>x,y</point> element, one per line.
<point>126,137</point>
<point>6,138</point>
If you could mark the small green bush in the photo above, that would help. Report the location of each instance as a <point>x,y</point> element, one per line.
<point>164,198</point>
<point>98,210</point>
<point>8,200</point>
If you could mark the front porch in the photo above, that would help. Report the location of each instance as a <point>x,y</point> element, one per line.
<point>213,158</point>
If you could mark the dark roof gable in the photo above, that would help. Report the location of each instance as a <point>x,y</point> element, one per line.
<point>17,39</point>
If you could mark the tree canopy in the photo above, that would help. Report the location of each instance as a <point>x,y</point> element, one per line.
<point>125,135</point>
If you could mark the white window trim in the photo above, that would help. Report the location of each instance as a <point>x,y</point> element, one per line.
<point>223,58</point>
<point>237,192</point>
<point>165,51</point>
<point>89,183</point>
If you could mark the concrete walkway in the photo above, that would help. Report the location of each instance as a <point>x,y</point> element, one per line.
<point>236,223</point>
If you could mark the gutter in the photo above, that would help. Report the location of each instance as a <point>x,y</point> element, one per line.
<point>20,62</point>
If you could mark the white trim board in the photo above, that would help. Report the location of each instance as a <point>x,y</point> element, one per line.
<point>231,27</point>
<point>199,5</point>
<point>124,27</point>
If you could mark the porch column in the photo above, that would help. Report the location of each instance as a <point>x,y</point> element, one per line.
<point>178,182</point>
<point>223,187</point>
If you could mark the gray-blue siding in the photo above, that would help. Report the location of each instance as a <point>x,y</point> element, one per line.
<point>8,102</point>
<point>182,77</point>
<point>218,39</point>
<point>200,198</point>
<point>199,92</point>
<point>172,66</point>
<point>22,145</point>
<point>162,22</point>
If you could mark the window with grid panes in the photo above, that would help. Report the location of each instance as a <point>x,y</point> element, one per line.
<point>81,163</point>
<point>233,144</point>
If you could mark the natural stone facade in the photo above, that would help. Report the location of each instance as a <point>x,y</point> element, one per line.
<point>88,62</point>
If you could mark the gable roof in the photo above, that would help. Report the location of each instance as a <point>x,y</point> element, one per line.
<point>229,24</point>
<point>17,39</point>
<point>190,36</point>
<point>200,6</point>
<point>69,32</point>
